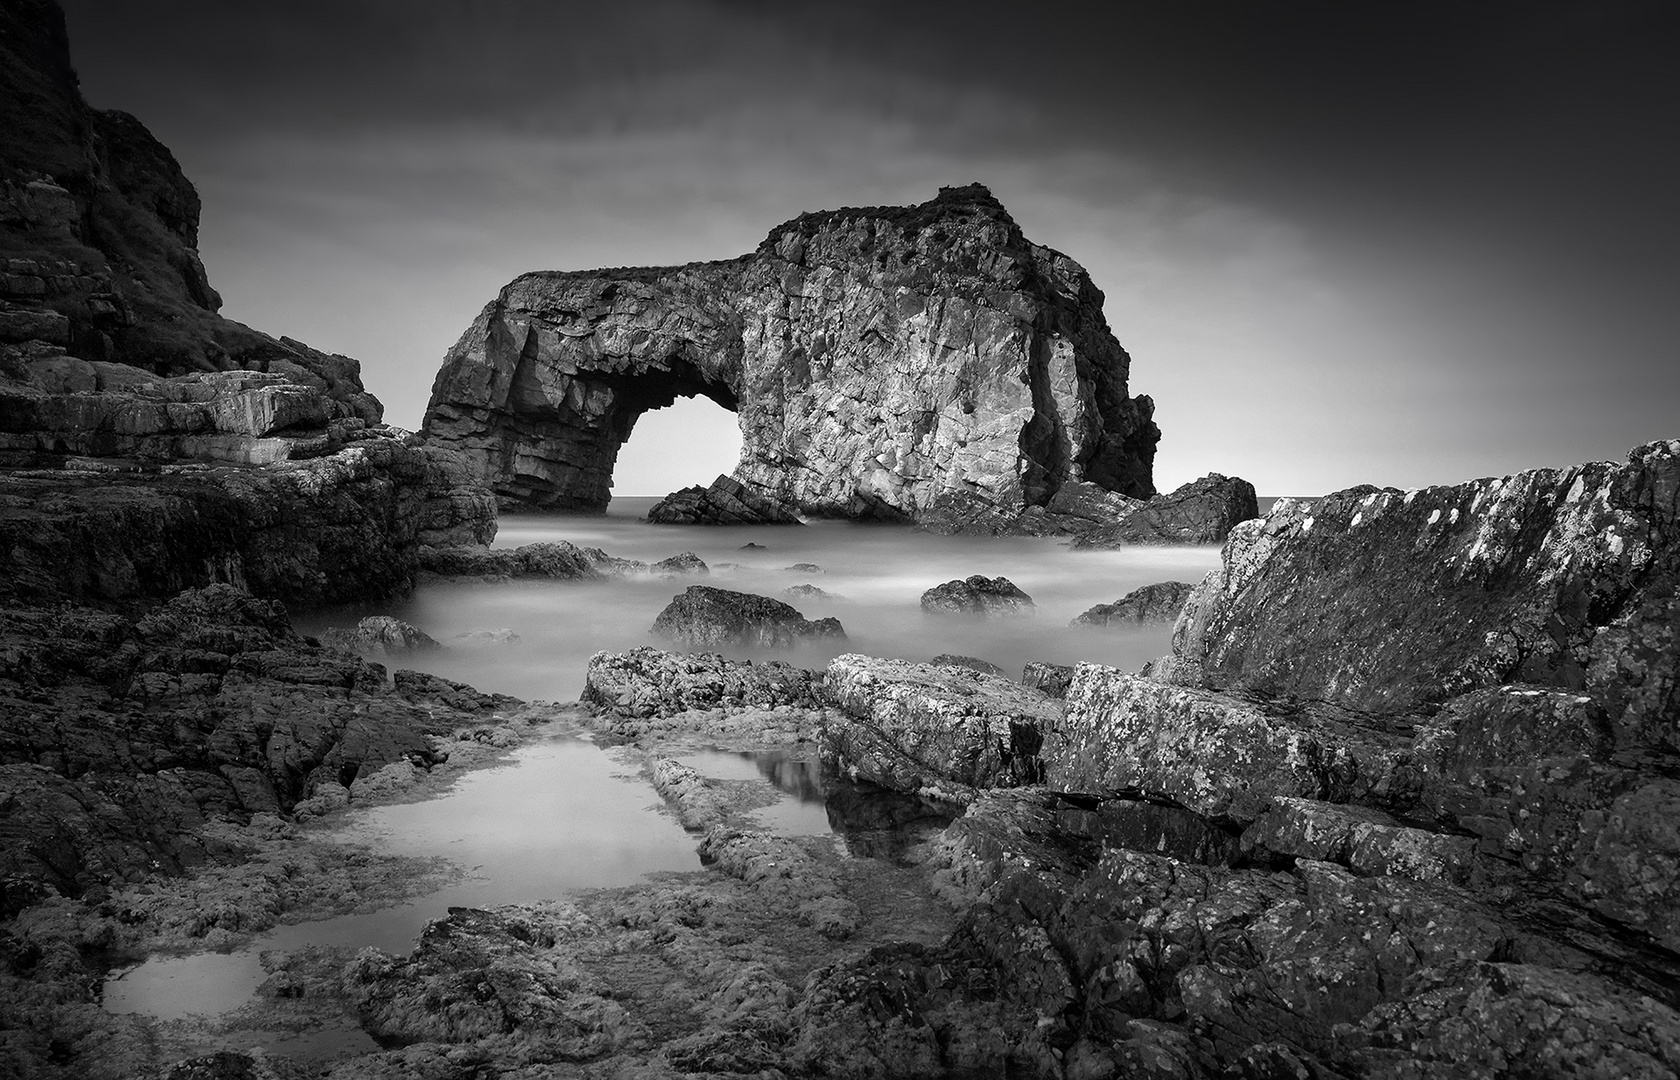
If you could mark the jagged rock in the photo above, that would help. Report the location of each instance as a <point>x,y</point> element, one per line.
<point>687,564</point>
<point>809,592</point>
<point>1201,512</point>
<point>380,635</point>
<point>937,729</point>
<point>344,527</point>
<point>1156,603</point>
<point>977,595</point>
<point>1052,679</point>
<point>972,663</point>
<point>556,559</point>
<point>648,682</point>
<point>726,502</point>
<point>121,739</point>
<point>703,615</point>
<point>881,360</point>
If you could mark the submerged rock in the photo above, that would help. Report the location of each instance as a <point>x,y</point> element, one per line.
<point>703,615</point>
<point>1201,512</point>
<point>687,564</point>
<point>878,357</point>
<point>481,638</point>
<point>809,592</point>
<point>1158,603</point>
<point>977,595</point>
<point>726,502</point>
<point>380,635</point>
<point>557,559</point>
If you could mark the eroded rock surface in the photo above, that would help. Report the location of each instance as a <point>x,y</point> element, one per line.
<point>726,502</point>
<point>704,615</point>
<point>882,361</point>
<point>977,595</point>
<point>380,635</point>
<point>1158,603</point>
<point>647,682</point>
<point>1201,512</point>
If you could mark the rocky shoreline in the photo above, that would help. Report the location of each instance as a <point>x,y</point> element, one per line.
<point>1401,802</point>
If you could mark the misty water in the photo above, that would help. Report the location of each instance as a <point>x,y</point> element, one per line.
<point>565,814</point>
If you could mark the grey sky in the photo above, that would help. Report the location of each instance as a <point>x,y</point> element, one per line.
<point>1399,244</point>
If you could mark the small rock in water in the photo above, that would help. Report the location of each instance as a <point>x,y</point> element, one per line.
<point>977,595</point>
<point>972,663</point>
<point>749,546</point>
<point>703,615</point>
<point>380,635</point>
<point>685,565</point>
<point>503,636</point>
<point>1156,603</point>
<point>808,591</point>
<point>804,568</point>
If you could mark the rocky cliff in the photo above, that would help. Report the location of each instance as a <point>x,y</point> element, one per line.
<point>884,361</point>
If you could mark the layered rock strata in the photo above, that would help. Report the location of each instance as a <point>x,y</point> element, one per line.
<point>882,361</point>
<point>703,615</point>
<point>726,502</point>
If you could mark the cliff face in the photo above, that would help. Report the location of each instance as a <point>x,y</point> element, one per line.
<point>883,362</point>
<point>99,237</point>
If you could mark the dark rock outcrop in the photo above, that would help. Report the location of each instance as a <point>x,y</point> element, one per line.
<point>1158,603</point>
<point>977,595</point>
<point>703,615</point>
<point>726,502</point>
<point>882,361</point>
<point>687,564</point>
<point>556,559</point>
<point>1201,512</point>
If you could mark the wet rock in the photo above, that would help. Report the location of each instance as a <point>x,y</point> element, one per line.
<point>1201,512</point>
<point>804,568</point>
<point>1022,387</point>
<point>810,592</point>
<point>380,635</point>
<point>1157,603</point>
<point>972,663</point>
<point>935,729</point>
<point>560,559</point>
<point>703,615</point>
<point>687,564</point>
<point>726,502</point>
<point>1052,679</point>
<point>977,595</point>
<point>483,638</point>
<point>647,682</point>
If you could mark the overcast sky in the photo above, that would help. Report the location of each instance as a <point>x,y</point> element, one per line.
<point>1344,242</point>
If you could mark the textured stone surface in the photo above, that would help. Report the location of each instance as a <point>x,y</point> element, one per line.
<point>726,502</point>
<point>1201,512</point>
<point>1161,602</point>
<point>977,595</point>
<point>703,615</point>
<point>1052,679</point>
<point>556,559</point>
<point>381,635</point>
<point>648,682</point>
<point>881,360</point>
<point>936,728</point>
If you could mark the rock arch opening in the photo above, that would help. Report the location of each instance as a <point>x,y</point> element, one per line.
<point>688,442</point>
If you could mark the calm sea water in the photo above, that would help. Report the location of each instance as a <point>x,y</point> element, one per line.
<point>876,573</point>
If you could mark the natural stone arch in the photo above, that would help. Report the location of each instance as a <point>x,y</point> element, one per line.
<point>887,361</point>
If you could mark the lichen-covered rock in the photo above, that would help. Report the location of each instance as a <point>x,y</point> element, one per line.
<point>882,360</point>
<point>726,502</point>
<point>647,682</point>
<point>380,635</point>
<point>977,595</point>
<point>1201,512</point>
<point>1048,678</point>
<point>1158,603</point>
<point>973,663</point>
<point>703,615</point>
<point>935,728</point>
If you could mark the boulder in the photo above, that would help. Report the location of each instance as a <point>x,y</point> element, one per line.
<point>938,729</point>
<point>879,359</point>
<point>687,564</point>
<point>809,592</point>
<point>977,595</point>
<point>647,682</point>
<point>726,502</point>
<point>703,615</point>
<point>1158,603</point>
<point>972,663</point>
<point>380,635</point>
<point>1201,512</point>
